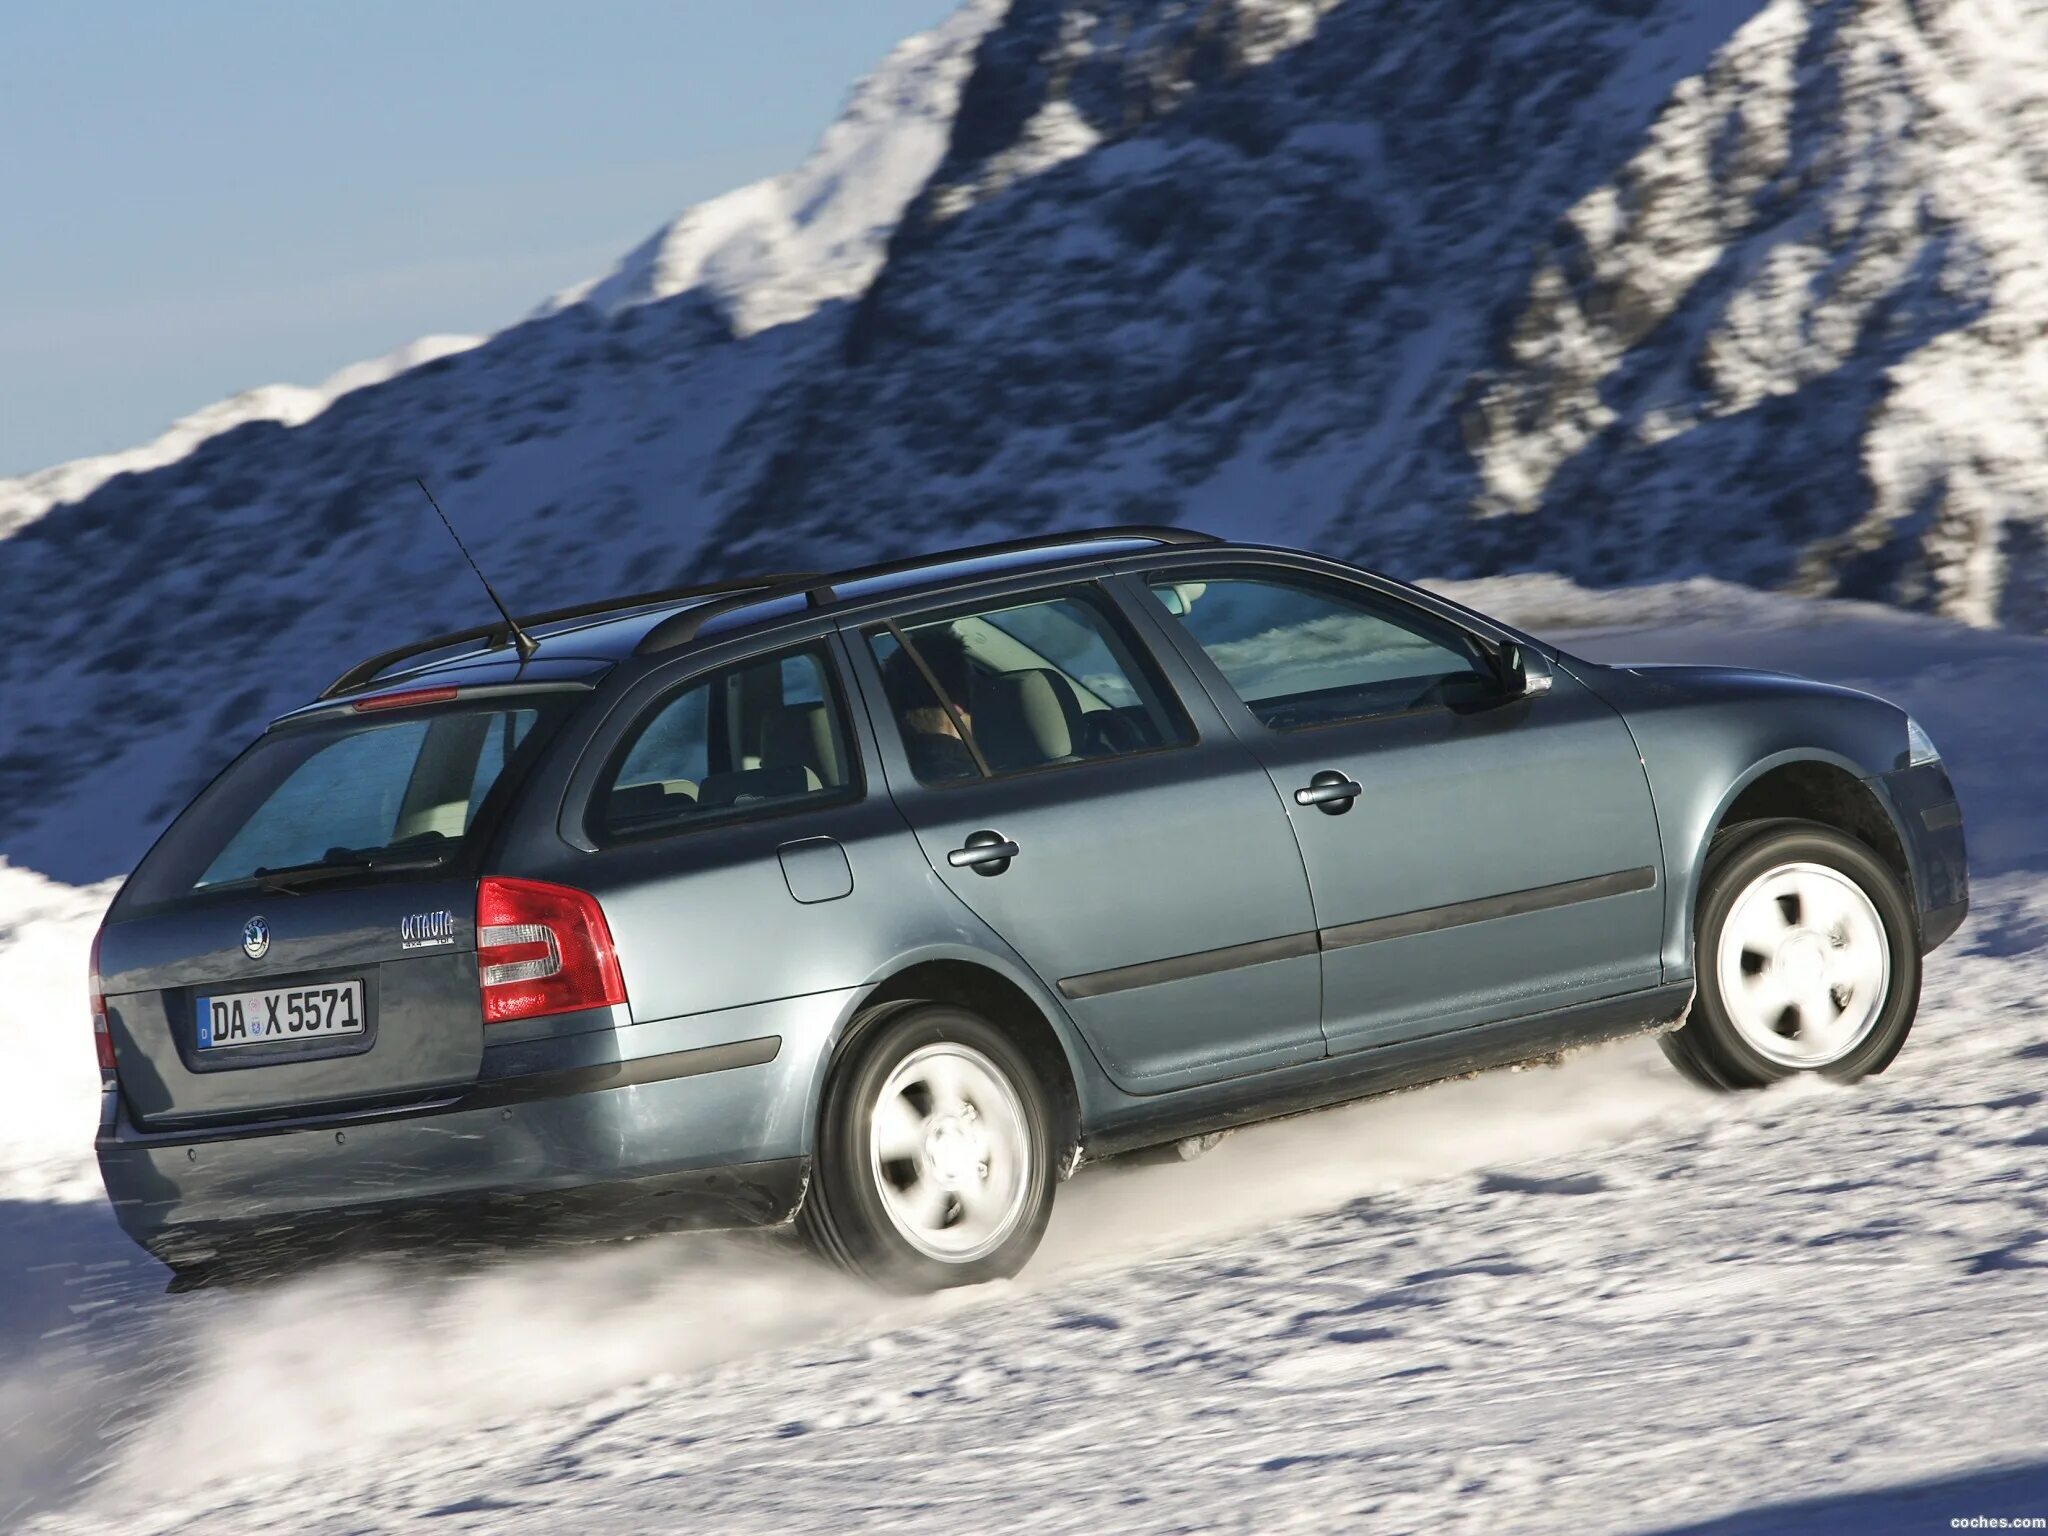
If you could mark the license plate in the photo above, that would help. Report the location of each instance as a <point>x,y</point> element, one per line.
<point>280,1015</point>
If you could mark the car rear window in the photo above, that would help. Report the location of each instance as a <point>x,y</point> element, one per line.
<point>348,796</point>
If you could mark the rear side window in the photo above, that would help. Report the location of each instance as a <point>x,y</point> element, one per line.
<point>348,794</point>
<point>763,735</point>
<point>1026,685</point>
<point>1301,652</point>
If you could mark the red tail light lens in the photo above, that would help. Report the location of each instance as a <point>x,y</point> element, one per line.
<point>543,949</point>
<point>102,1037</point>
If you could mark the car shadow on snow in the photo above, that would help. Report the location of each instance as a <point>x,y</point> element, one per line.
<point>2001,1494</point>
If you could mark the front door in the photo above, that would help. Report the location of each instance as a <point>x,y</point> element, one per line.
<point>1126,845</point>
<point>1474,855</point>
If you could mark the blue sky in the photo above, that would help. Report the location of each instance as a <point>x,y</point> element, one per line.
<point>202,197</point>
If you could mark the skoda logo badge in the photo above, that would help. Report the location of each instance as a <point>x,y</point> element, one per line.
<point>255,938</point>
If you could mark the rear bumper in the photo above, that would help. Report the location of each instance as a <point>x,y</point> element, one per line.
<point>745,1195</point>
<point>1931,825</point>
<point>705,1136</point>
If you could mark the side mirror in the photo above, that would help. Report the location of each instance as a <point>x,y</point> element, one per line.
<point>1526,672</point>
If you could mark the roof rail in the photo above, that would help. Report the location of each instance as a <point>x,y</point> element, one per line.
<point>817,591</point>
<point>498,634</point>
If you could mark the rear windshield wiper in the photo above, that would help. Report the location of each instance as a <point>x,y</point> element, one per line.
<point>339,864</point>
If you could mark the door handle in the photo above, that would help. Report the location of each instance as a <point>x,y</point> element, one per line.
<point>986,853</point>
<point>1330,792</point>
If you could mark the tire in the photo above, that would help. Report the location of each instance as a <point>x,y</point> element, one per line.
<point>1808,960</point>
<point>935,1156</point>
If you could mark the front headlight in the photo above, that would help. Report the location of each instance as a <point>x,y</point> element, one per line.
<point>1920,748</point>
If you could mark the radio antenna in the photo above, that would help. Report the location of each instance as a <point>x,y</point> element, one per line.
<point>524,643</point>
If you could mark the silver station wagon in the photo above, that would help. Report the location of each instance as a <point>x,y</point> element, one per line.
<point>879,902</point>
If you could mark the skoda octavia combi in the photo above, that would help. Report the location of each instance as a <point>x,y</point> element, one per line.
<point>880,901</point>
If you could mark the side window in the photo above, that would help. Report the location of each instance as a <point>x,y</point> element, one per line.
<point>1301,652</point>
<point>1026,685</point>
<point>766,734</point>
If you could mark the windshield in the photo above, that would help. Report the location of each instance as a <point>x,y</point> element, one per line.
<point>345,796</point>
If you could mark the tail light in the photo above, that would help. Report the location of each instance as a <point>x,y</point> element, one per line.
<point>412,698</point>
<point>543,949</point>
<point>102,1037</point>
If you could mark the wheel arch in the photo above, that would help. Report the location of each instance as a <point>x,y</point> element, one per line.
<point>989,987</point>
<point>1803,785</point>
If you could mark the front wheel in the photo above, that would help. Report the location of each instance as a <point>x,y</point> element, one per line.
<point>1807,957</point>
<point>934,1164</point>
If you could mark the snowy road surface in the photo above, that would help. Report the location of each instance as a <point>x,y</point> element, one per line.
<point>1586,1297</point>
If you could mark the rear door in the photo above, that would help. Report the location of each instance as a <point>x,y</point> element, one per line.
<point>722,816</point>
<point>303,937</point>
<point>1499,856</point>
<point>1121,841</point>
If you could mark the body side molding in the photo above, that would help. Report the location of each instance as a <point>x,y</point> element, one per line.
<point>1542,898</point>
<point>1400,925</point>
<point>1207,962</point>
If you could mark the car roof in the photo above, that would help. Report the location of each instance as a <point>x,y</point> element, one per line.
<point>601,635</point>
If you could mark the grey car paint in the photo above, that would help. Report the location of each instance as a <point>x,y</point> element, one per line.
<point>1174,852</point>
<point>751,950</point>
<point>154,976</point>
<point>1548,797</point>
<point>1707,733</point>
<point>184,1195</point>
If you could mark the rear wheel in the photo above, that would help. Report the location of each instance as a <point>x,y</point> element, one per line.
<point>1807,958</point>
<point>934,1164</point>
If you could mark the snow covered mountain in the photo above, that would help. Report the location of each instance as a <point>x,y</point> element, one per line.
<point>1620,290</point>
<point>1614,288</point>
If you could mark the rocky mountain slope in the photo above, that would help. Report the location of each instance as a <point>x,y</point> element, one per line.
<point>1614,288</point>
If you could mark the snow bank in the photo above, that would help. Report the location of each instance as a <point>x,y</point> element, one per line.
<point>49,1081</point>
<point>457,1349</point>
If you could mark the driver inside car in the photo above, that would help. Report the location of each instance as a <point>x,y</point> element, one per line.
<point>931,731</point>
